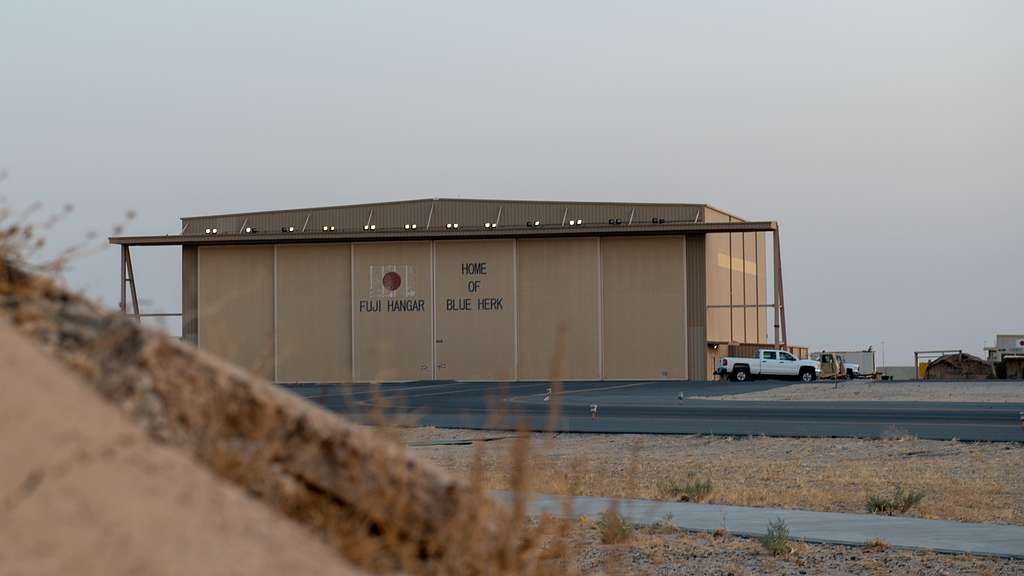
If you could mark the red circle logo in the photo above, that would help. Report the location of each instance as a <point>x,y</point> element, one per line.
<point>391,281</point>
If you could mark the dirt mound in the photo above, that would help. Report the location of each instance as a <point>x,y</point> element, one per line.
<point>87,492</point>
<point>380,507</point>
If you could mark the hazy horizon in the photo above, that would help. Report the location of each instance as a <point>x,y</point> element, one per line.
<point>886,138</point>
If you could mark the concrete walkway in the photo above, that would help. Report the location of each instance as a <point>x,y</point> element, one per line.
<point>825,527</point>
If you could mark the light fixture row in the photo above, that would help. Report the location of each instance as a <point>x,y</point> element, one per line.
<point>449,226</point>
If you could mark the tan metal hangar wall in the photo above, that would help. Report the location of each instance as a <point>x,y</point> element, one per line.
<point>644,308</point>
<point>466,309</point>
<point>236,305</point>
<point>475,303</point>
<point>314,312</point>
<point>558,283</point>
<point>392,305</point>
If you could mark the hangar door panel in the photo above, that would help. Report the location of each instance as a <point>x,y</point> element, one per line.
<point>557,282</point>
<point>475,333</point>
<point>644,307</point>
<point>314,313</point>
<point>391,307</point>
<point>236,305</point>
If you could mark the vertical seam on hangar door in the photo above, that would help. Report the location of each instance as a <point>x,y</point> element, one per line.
<point>600,309</point>
<point>352,302</point>
<point>515,307</point>
<point>275,314</point>
<point>686,311</point>
<point>433,309</point>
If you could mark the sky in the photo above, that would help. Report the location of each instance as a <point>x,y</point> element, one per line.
<point>886,138</point>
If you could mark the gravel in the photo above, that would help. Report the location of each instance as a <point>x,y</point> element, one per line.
<point>658,550</point>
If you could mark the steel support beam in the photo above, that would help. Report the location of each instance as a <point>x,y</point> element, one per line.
<point>780,299</point>
<point>128,279</point>
<point>124,256</point>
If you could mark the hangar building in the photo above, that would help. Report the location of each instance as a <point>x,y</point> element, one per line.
<point>477,290</point>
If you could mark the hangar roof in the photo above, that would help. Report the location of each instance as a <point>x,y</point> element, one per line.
<point>445,218</point>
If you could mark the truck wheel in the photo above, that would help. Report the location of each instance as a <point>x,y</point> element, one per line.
<point>740,375</point>
<point>807,375</point>
<point>850,375</point>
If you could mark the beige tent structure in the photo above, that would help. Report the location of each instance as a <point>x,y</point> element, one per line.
<point>959,367</point>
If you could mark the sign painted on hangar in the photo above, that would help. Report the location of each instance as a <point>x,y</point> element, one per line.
<point>392,288</point>
<point>474,274</point>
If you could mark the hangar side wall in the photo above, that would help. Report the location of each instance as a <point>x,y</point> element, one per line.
<point>558,304</point>
<point>314,312</point>
<point>736,275</point>
<point>643,307</point>
<point>764,315</point>
<point>392,327</point>
<point>236,304</point>
<point>719,281</point>
<point>476,303</point>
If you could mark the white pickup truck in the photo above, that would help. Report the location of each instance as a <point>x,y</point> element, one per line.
<point>768,364</point>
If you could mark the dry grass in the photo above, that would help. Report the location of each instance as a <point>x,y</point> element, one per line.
<point>876,545</point>
<point>899,501</point>
<point>776,539</point>
<point>614,529</point>
<point>973,482</point>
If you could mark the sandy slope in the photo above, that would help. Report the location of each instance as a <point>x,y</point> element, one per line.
<point>86,492</point>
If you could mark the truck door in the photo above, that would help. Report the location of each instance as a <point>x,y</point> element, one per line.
<point>769,362</point>
<point>788,364</point>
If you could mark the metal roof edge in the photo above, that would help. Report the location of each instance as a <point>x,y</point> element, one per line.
<point>441,234</point>
<point>477,200</point>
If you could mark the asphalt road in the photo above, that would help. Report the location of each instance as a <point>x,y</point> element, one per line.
<point>654,408</point>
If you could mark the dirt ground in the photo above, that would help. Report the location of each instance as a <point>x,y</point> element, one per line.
<point>870,390</point>
<point>661,550</point>
<point>974,482</point>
